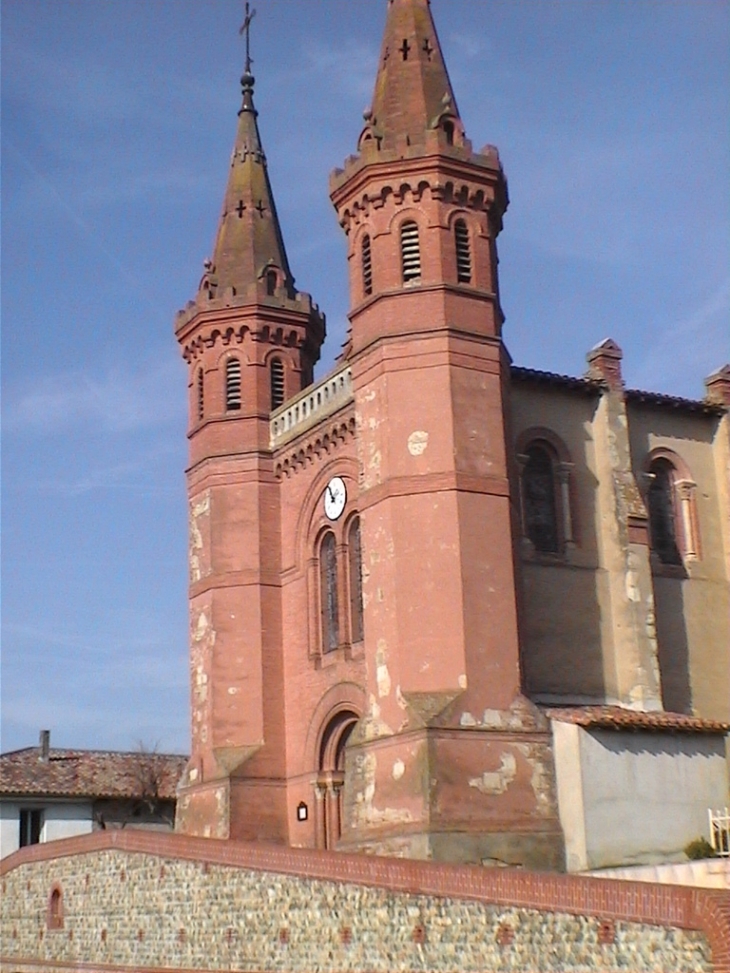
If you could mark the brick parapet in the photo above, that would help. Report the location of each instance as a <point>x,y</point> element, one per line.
<point>705,911</point>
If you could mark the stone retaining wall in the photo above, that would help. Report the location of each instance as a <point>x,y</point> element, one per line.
<point>136,901</point>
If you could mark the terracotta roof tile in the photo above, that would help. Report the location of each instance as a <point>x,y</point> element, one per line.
<point>617,718</point>
<point>89,773</point>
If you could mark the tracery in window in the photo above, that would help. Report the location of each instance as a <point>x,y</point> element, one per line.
<point>277,383</point>
<point>233,385</point>
<point>663,520</point>
<point>410,252</point>
<point>328,593</point>
<point>539,499</point>
<point>354,552</point>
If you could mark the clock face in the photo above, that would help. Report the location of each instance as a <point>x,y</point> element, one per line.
<point>335,497</point>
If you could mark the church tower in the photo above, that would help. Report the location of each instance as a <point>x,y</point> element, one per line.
<point>250,340</point>
<point>450,761</point>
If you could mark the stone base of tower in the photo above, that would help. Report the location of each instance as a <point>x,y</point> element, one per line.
<point>484,796</point>
<point>235,809</point>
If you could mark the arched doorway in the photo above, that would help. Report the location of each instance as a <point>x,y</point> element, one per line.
<point>330,783</point>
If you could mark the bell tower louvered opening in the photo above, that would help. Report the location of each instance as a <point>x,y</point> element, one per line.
<point>463,252</point>
<point>278,393</point>
<point>233,385</point>
<point>367,267</point>
<point>200,394</point>
<point>410,248</point>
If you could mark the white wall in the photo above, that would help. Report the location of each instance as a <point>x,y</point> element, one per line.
<point>635,797</point>
<point>61,819</point>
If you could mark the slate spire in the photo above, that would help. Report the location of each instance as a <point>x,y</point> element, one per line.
<point>413,93</point>
<point>249,246</point>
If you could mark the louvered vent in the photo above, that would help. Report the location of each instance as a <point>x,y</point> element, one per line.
<point>463,252</point>
<point>277,383</point>
<point>367,267</point>
<point>410,252</point>
<point>233,385</point>
<point>201,394</point>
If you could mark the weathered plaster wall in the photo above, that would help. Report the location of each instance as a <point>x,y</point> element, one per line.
<point>692,602</point>
<point>635,798</point>
<point>136,902</point>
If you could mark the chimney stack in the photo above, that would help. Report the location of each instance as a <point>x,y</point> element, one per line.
<point>45,745</point>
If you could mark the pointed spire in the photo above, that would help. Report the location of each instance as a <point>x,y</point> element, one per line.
<point>249,248</point>
<point>413,95</point>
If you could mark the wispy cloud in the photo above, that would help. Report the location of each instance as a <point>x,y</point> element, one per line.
<point>702,336</point>
<point>117,400</point>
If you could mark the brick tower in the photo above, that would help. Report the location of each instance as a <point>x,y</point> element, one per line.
<point>251,341</point>
<point>449,760</point>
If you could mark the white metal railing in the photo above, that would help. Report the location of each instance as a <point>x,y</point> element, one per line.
<point>720,831</point>
<point>310,406</point>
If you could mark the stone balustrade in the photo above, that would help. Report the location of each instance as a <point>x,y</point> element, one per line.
<point>311,406</point>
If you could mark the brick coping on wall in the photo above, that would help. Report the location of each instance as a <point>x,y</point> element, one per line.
<point>707,910</point>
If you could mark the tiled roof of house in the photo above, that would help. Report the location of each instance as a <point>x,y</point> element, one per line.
<point>617,718</point>
<point>90,773</point>
<point>675,402</point>
<point>587,386</point>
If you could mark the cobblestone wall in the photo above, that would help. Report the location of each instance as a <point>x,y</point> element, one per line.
<point>137,910</point>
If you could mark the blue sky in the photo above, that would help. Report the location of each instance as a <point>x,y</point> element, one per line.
<point>118,118</point>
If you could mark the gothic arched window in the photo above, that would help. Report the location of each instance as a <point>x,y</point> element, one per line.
<point>55,909</point>
<point>539,499</point>
<point>277,383</point>
<point>233,384</point>
<point>328,593</point>
<point>200,394</point>
<point>367,266</point>
<point>661,500</point>
<point>463,252</point>
<point>410,249</point>
<point>354,553</point>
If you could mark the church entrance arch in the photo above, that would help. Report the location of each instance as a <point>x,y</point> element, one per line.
<point>329,785</point>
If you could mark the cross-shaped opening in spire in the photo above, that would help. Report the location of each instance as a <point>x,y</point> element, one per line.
<point>405,48</point>
<point>260,208</point>
<point>386,55</point>
<point>241,208</point>
<point>427,49</point>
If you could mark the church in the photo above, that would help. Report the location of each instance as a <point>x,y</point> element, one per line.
<point>441,606</point>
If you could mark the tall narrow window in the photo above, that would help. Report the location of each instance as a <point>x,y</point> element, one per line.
<point>463,252</point>
<point>200,393</point>
<point>31,823</point>
<point>354,551</point>
<point>367,266</point>
<point>233,384</point>
<point>277,383</point>
<point>328,593</point>
<point>410,252</point>
<point>449,132</point>
<point>538,498</point>
<point>271,282</point>
<point>663,512</point>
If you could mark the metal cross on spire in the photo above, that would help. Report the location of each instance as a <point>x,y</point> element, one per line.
<point>246,29</point>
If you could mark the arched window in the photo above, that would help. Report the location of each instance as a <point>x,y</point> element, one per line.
<point>277,383</point>
<point>354,553</point>
<point>328,593</point>
<point>55,909</point>
<point>539,499</point>
<point>367,266</point>
<point>233,384</point>
<point>410,249</point>
<point>271,282</point>
<point>661,500</point>
<point>463,252</point>
<point>200,392</point>
<point>449,131</point>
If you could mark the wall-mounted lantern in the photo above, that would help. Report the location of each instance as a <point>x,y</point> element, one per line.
<point>302,811</point>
